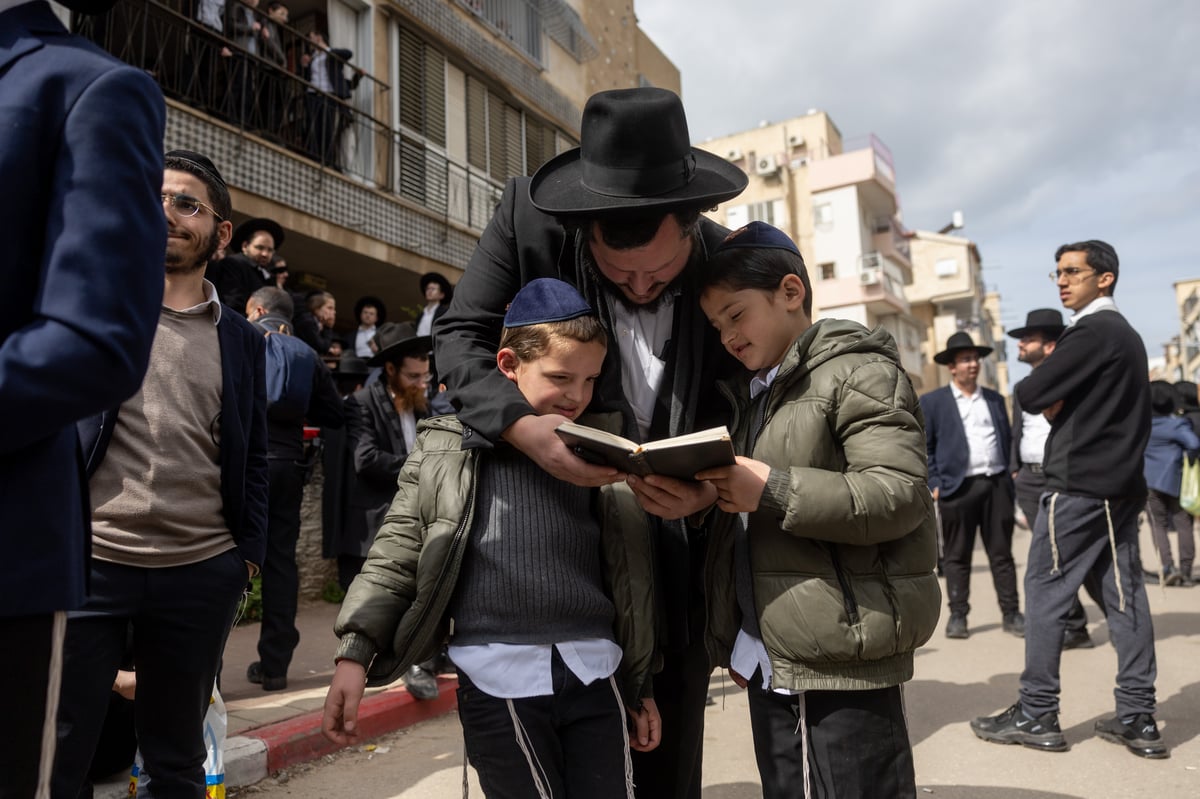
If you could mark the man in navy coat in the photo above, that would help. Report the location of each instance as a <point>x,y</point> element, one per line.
<point>968,440</point>
<point>81,266</point>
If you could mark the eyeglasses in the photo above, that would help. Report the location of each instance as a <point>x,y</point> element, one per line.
<point>1074,274</point>
<point>416,377</point>
<point>187,205</point>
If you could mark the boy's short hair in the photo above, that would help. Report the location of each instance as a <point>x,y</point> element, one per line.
<point>755,256</point>
<point>545,311</point>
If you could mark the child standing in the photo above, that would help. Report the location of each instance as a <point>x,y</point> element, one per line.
<point>518,569</point>
<point>822,586</point>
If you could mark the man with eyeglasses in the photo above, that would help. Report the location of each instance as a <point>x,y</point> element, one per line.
<point>968,439</point>
<point>381,424</point>
<point>80,261</point>
<point>1095,391</point>
<point>178,486</point>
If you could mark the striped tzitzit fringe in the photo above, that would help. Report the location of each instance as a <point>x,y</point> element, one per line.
<point>625,734</point>
<point>802,728</point>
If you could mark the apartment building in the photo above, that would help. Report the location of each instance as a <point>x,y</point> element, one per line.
<point>1187,300</point>
<point>398,174</point>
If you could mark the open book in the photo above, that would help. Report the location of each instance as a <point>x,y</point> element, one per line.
<point>681,456</point>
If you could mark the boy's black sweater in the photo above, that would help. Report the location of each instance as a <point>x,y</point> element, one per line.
<point>1098,439</point>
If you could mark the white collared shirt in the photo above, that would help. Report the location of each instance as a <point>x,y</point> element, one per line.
<point>518,671</point>
<point>212,303</point>
<point>982,443</point>
<point>425,325</point>
<point>1098,304</point>
<point>362,342</point>
<point>641,338</point>
<point>1035,429</point>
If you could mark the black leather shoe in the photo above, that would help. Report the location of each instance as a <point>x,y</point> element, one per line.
<point>1139,736</point>
<point>1014,623</point>
<point>1078,639</point>
<point>420,683</point>
<point>1014,726</point>
<point>957,626</point>
<point>254,674</point>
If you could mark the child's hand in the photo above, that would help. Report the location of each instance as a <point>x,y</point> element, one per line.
<point>669,498</point>
<point>647,727</point>
<point>535,436</point>
<point>739,487</point>
<point>340,723</point>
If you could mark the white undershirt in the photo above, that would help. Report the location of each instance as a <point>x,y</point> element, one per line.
<point>1035,429</point>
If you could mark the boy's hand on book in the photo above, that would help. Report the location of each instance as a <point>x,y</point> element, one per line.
<point>646,727</point>
<point>535,436</point>
<point>340,722</point>
<point>739,487</point>
<point>669,498</point>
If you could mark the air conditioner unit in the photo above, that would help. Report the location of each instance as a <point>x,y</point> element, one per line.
<point>765,166</point>
<point>734,155</point>
<point>869,278</point>
<point>795,140</point>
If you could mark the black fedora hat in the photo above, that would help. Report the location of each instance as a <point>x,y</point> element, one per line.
<point>956,342</point>
<point>1045,320</point>
<point>350,365</point>
<point>244,231</point>
<point>441,280</point>
<point>635,154</point>
<point>374,301</point>
<point>397,340</point>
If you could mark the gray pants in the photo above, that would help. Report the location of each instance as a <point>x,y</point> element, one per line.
<point>1081,536</point>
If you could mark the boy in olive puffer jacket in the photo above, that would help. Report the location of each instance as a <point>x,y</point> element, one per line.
<point>821,586</point>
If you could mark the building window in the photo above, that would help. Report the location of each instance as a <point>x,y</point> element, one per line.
<point>767,211</point>
<point>823,216</point>
<point>827,271</point>
<point>519,21</point>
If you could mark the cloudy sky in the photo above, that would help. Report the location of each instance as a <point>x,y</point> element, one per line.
<point>1045,122</point>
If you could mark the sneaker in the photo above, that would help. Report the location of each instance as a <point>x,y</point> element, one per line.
<point>1014,726</point>
<point>1014,623</point>
<point>420,683</point>
<point>1078,639</point>
<point>254,674</point>
<point>1171,576</point>
<point>957,626</point>
<point>1139,736</point>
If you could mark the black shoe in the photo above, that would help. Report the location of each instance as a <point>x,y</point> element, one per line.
<point>254,674</point>
<point>420,683</point>
<point>1077,639</point>
<point>957,626</point>
<point>1014,623</point>
<point>1139,736</point>
<point>1014,726</point>
<point>1172,577</point>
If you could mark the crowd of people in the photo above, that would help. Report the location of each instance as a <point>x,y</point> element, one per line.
<point>583,608</point>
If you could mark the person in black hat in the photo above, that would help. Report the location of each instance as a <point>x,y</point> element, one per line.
<point>968,441</point>
<point>1095,390</point>
<point>248,267</point>
<point>81,260</point>
<point>1036,341</point>
<point>369,313</point>
<point>618,217</point>
<point>437,291</point>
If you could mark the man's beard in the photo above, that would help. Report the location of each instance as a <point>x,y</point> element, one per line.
<point>176,265</point>
<point>413,398</point>
<point>613,290</point>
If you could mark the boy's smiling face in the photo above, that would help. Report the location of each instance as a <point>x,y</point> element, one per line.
<point>756,326</point>
<point>559,382</point>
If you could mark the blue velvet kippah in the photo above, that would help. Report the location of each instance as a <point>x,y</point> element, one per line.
<point>545,300</point>
<point>758,235</point>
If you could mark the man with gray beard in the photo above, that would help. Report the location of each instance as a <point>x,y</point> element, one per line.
<point>178,483</point>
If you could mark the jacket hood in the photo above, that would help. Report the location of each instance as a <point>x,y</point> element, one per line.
<point>829,338</point>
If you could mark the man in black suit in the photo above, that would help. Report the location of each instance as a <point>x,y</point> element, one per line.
<point>968,440</point>
<point>324,102</point>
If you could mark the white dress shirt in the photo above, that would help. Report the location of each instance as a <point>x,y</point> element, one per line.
<point>985,457</point>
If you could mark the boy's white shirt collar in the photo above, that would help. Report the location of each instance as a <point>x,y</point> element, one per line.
<point>1102,303</point>
<point>761,382</point>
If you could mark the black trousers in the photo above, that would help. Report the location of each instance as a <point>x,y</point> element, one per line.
<point>858,743</point>
<point>573,742</point>
<point>180,618</point>
<point>984,503</point>
<point>1164,512</point>
<point>278,636</point>
<point>28,642</point>
<point>1029,485</point>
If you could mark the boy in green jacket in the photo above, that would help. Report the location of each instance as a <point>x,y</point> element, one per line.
<point>822,585</point>
<point>528,575</point>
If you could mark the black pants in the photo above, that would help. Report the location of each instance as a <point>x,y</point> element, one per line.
<point>278,636</point>
<point>1030,485</point>
<point>180,618</point>
<point>985,503</point>
<point>28,642</point>
<point>1164,512</point>
<point>572,742</point>
<point>858,743</point>
<point>323,116</point>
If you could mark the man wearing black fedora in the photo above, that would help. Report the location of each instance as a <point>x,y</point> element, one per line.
<point>248,267</point>
<point>1035,341</point>
<point>437,291</point>
<point>968,439</point>
<point>369,314</point>
<point>619,217</point>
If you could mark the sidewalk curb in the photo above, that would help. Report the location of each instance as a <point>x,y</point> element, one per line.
<point>260,752</point>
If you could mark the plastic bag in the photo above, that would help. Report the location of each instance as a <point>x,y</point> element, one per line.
<point>1189,488</point>
<point>215,724</point>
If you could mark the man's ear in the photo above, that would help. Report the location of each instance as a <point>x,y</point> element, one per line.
<point>390,368</point>
<point>507,361</point>
<point>224,234</point>
<point>1104,281</point>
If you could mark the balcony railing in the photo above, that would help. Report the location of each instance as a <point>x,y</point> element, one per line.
<point>214,75</point>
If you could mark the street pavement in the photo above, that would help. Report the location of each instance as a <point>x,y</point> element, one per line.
<point>955,681</point>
